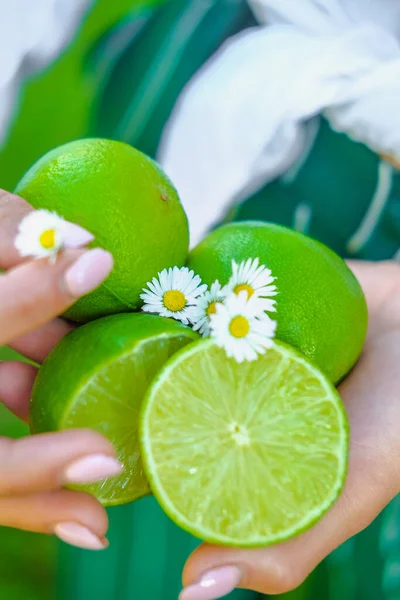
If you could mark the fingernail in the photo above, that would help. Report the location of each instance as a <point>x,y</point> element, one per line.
<point>214,584</point>
<point>80,536</point>
<point>88,272</point>
<point>91,469</point>
<point>75,236</point>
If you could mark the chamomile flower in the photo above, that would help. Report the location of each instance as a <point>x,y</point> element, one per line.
<point>205,306</point>
<point>43,233</point>
<point>173,293</point>
<point>242,328</point>
<point>253,278</point>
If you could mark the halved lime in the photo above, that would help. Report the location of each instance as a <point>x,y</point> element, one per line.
<point>97,377</point>
<point>243,454</point>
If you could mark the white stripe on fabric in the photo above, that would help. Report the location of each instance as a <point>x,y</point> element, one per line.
<point>302,218</point>
<point>385,180</point>
<point>157,77</point>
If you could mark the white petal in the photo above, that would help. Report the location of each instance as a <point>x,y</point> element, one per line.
<point>150,308</point>
<point>215,290</point>
<point>164,280</point>
<point>191,284</point>
<point>150,297</point>
<point>151,287</point>
<point>27,241</point>
<point>192,296</point>
<point>235,268</point>
<point>176,277</point>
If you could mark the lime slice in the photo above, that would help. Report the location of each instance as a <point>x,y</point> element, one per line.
<point>243,454</point>
<point>97,377</point>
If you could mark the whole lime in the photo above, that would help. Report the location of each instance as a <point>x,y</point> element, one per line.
<point>321,309</point>
<point>128,203</point>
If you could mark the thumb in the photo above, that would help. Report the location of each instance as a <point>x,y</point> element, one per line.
<point>212,571</point>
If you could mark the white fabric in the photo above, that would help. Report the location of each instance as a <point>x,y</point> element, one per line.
<point>32,33</point>
<point>321,17</point>
<point>242,120</point>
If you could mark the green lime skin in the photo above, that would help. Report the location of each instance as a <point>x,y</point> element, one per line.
<point>96,378</point>
<point>126,201</point>
<point>321,308</point>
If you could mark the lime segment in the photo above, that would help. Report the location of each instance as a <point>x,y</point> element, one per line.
<point>243,454</point>
<point>96,378</point>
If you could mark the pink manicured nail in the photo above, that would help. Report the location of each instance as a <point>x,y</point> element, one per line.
<point>88,272</point>
<point>80,536</point>
<point>91,469</point>
<point>214,584</point>
<point>75,236</point>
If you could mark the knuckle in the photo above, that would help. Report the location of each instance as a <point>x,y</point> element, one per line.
<point>281,576</point>
<point>87,440</point>
<point>48,291</point>
<point>31,303</point>
<point>86,509</point>
<point>27,303</point>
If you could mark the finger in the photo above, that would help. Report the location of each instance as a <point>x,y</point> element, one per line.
<point>16,381</point>
<point>12,211</point>
<point>370,395</point>
<point>282,568</point>
<point>48,461</point>
<point>76,518</point>
<point>37,344</point>
<point>26,306</point>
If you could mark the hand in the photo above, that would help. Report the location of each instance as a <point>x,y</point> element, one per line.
<point>371,396</point>
<point>34,470</point>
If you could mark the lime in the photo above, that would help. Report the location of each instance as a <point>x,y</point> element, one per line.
<point>124,199</point>
<point>243,454</point>
<point>321,309</point>
<point>96,377</point>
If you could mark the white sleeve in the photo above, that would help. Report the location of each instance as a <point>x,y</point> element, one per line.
<point>322,17</point>
<point>242,120</point>
<point>32,33</point>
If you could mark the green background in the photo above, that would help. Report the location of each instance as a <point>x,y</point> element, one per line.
<point>120,79</point>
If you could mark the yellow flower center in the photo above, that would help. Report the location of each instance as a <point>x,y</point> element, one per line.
<point>174,300</point>
<point>212,308</point>
<point>239,327</point>
<point>48,239</point>
<point>244,287</point>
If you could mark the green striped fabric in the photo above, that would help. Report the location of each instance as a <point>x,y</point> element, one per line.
<point>168,46</point>
<point>336,196</point>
